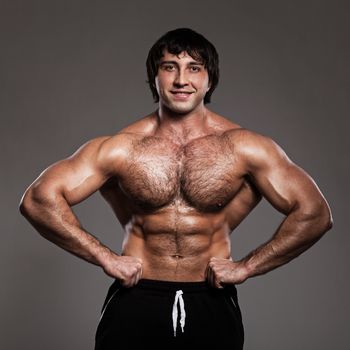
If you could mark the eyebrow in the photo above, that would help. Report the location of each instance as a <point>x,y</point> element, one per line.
<point>192,63</point>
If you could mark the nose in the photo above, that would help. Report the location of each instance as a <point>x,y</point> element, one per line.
<point>181,79</point>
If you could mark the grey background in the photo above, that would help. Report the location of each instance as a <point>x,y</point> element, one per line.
<point>74,70</point>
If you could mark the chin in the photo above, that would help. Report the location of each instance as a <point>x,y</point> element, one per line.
<point>181,111</point>
<point>181,108</point>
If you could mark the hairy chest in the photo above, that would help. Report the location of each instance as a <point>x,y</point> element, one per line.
<point>204,173</point>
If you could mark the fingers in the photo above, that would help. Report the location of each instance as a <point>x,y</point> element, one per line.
<point>137,274</point>
<point>219,272</point>
<point>129,270</point>
<point>212,274</point>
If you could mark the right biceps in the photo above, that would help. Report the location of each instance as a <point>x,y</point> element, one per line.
<point>74,182</point>
<point>75,178</point>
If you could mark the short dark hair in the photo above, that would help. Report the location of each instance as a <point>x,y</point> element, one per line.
<point>180,40</point>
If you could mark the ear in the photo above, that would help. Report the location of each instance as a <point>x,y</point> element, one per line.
<point>209,86</point>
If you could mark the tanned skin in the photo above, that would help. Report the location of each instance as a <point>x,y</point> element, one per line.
<point>179,180</point>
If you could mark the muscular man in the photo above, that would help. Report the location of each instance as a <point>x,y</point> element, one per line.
<point>179,180</point>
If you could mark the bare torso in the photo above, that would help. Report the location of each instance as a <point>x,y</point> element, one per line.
<point>179,199</point>
<point>179,185</point>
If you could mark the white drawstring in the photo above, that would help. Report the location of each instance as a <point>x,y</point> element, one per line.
<point>178,298</point>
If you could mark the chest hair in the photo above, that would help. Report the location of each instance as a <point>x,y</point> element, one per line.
<point>203,173</point>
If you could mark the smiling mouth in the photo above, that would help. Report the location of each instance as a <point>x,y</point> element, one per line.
<point>181,94</point>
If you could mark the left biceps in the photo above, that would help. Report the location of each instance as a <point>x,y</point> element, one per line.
<point>292,188</point>
<point>284,184</point>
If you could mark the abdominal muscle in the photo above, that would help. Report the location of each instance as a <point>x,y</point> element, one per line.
<point>176,247</point>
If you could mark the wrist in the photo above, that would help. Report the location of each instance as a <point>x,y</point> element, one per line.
<point>247,269</point>
<point>103,256</point>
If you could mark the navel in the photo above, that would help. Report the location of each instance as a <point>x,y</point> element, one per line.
<point>177,256</point>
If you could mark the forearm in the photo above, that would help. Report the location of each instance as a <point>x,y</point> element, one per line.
<point>296,234</point>
<point>54,219</point>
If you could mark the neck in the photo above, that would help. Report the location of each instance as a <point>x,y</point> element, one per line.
<point>185,126</point>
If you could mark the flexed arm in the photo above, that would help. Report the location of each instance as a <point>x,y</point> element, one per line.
<point>292,192</point>
<point>47,206</point>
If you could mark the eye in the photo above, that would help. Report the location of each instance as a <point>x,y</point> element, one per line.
<point>168,67</point>
<point>195,69</point>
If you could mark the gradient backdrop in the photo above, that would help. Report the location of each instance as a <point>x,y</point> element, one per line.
<point>74,70</point>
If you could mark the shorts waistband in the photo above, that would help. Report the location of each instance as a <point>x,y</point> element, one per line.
<point>175,285</point>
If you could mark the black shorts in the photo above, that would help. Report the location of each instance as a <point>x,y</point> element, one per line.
<point>170,313</point>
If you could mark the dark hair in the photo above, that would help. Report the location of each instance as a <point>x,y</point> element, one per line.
<point>177,41</point>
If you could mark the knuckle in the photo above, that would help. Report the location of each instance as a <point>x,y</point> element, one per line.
<point>129,273</point>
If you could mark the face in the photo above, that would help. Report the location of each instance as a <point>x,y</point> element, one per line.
<point>181,82</point>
